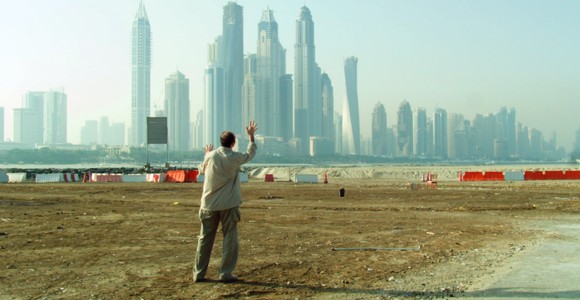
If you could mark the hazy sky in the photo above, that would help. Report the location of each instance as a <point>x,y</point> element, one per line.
<point>464,56</point>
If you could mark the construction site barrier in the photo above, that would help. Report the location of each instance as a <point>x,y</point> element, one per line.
<point>134,178</point>
<point>554,175</point>
<point>46,178</point>
<point>572,174</point>
<point>473,176</point>
<point>158,177</point>
<point>97,177</point>
<point>493,176</point>
<point>16,177</point>
<point>269,178</point>
<point>306,178</point>
<point>191,175</point>
<point>533,175</point>
<point>513,176</point>
<point>175,176</point>
<point>3,176</point>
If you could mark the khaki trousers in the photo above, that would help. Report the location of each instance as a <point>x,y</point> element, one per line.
<point>210,221</point>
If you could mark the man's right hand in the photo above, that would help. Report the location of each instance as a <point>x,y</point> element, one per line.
<point>208,148</point>
<point>251,129</point>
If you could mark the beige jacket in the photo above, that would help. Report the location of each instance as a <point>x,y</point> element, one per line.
<point>221,167</point>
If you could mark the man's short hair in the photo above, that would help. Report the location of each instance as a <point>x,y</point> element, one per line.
<point>227,139</point>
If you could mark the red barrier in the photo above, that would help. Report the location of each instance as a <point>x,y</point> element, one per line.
<point>554,175</point>
<point>175,176</point>
<point>191,176</point>
<point>269,178</point>
<point>533,175</point>
<point>572,175</point>
<point>493,176</point>
<point>473,176</point>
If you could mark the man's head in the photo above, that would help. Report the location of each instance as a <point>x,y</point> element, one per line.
<point>228,139</point>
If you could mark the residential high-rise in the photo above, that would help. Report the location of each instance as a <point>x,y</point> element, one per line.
<point>338,133</point>
<point>270,66</point>
<point>104,131</point>
<point>350,115</point>
<point>440,133</point>
<point>24,119</point>
<point>454,124</point>
<point>286,94</point>
<point>35,102</point>
<point>379,130</point>
<point>141,76</point>
<point>249,89</point>
<point>307,92</point>
<point>327,106</point>
<point>420,140</point>
<point>90,132</point>
<point>197,132</point>
<point>214,101</point>
<point>233,64</point>
<point>117,133</point>
<point>55,117</point>
<point>404,130</point>
<point>177,110</point>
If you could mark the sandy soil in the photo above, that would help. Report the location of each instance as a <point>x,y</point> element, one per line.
<point>137,240</point>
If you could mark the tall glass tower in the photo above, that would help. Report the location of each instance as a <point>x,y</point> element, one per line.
<point>404,130</point>
<point>350,115</point>
<point>270,66</point>
<point>307,92</point>
<point>177,109</point>
<point>233,65</point>
<point>379,130</point>
<point>327,106</point>
<point>141,76</point>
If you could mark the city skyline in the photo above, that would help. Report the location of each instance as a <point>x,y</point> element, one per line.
<point>519,54</point>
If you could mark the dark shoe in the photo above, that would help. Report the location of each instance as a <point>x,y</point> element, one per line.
<point>196,280</point>
<point>229,278</point>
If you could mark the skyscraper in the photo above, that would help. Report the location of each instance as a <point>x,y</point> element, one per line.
<point>404,130</point>
<point>90,132</point>
<point>249,89</point>
<point>141,76</point>
<point>197,131</point>
<point>379,130</point>
<point>440,133</point>
<point>350,115</point>
<point>35,102</point>
<point>24,119</point>
<point>270,66</point>
<point>233,65</point>
<point>454,124</point>
<point>55,117</point>
<point>327,106</point>
<point>307,92</point>
<point>214,102</point>
<point>420,140</point>
<point>104,131</point>
<point>177,109</point>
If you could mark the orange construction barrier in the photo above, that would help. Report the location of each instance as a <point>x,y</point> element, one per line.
<point>175,176</point>
<point>191,176</point>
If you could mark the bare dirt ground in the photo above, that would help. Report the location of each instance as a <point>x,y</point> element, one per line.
<point>137,240</point>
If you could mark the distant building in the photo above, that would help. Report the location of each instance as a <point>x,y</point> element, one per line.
<point>141,76</point>
<point>307,92</point>
<point>104,131</point>
<point>90,132</point>
<point>327,107</point>
<point>379,130</point>
<point>454,123</point>
<point>440,133</point>
<point>24,119</point>
<point>197,132</point>
<point>55,117</point>
<point>338,133</point>
<point>321,146</point>
<point>420,138</point>
<point>117,134</point>
<point>177,110</point>
<point>214,100</point>
<point>35,102</point>
<point>233,64</point>
<point>577,141</point>
<point>404,130</point>
<point>351,138</point>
